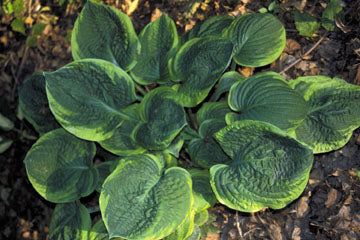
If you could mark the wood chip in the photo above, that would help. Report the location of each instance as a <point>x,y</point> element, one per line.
<point>333,197</point>
<point>302,207</point>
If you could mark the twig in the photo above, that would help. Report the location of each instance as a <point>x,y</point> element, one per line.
<point>307,53</point>
<point>238,225</point>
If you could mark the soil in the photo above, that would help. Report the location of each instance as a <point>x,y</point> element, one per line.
<point>329,208</point>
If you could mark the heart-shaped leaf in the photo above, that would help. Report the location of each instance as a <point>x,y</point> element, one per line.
<point>162,119</point>
<point>225,83</point>
<point>104,32</point>
<point>258,39</point>
<point>333,112</point>
<point>197,66</point>
<point>159,41</point>
<point>142,200</point>
<point>205,151</point>
<point>70,221</point>
<point>34,104</point>
<point>269,167</point>
<point>266,97</point>
<point>87,97</point>
<point>60,168</point>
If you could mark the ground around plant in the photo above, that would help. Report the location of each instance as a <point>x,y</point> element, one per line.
<point>329,208</point>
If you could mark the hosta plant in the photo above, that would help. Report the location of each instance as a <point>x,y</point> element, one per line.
<point>178,130</point>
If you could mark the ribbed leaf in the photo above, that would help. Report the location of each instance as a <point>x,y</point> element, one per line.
<point>34,104</point>
<point>121,143</point>
<point>258,39</point>
<point>333,112</point>
<point>162,119</point>
<point>105,169</point>
<point>197,66</point>
<point>205,151</point>
<point>98,231</point>
<point>86,97</point>
<point>269,167</point>
<point>266,97</point>
<point>225,83</point>
<point>212,110</point>
<point>142,200</point>
<point>105,33</point>
<point>214,26</point>
<point>70,221</point>
<point>184,230</point>
<point>60,168</point>
<point>204,197</point>
<point>159,42</point>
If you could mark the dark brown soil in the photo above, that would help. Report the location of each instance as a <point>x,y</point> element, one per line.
<point>329,208</point>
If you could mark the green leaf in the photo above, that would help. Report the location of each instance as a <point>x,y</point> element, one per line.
<point>204,197</point>
<point>162,119</point>
<point>70,221</point>
<point>212,110</point>
<point>333,112</point>
<point>201,217</point>
<point>263,10</point>
<point>331,11</point>
<point>98,231</point>
<point>266,97</point>
<point>105,33</point>
<point>105,169</point>
<point>60,168</point>
<point>18,6</point>
<point>38,28</point>
<point>87,97</point>
<point>306,24</point>
<point>175,147</point>
<point>225,83</point>
<point>205,151</point>
<point>258,39</point>
<point>196,234</point>
<point>31,41</point>
<point>5,123</point>
<point>185,230</point>
<point>18,25</point>
<point>5,144</point>
<point>272,6</point>
<point>9,7</point>
<point>142,200</point>
<point>159,41</point>
<point>197,66</point>
<point>269,167</point>
<point>121,143</point>
<point>34,104</point>
<point>214,26</point>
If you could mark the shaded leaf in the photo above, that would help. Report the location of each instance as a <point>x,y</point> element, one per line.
<point>269,167</point>
<point>87,97</point>
<point>38,28</point>
<point>159,41</point>
<point>18,25</point>
<point>258,39</point>
<point>5,123</point>
<point>331,11</point>
<point>212,110</point>
<point>225,83</point>
<point>197,66</point>
<point>104,32</point>
<point>60,167</point>
<point>140,200</point>
<point>306,24</point>
<point>333,112</point>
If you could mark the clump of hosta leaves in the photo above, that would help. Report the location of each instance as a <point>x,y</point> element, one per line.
<point>153,98</point>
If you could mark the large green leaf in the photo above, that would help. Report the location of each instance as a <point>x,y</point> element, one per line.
<point>99,232</point>
<point>269,167</point>
<point>87,97</point>
<point>212,110</point>
<point>197,66</point>
<point>205,151</point>
<point>105,169</point>
<point>70,221</point>
<point>266,97</point>
<point>333,112</point>
<point>60,168</point>
<point>204,197</point>
<point>121,143</point>
<point>142,200</point>
<point>258,39</point>
<point>105,33</point>
<point>225,83</point>
<point>159,41</point>
<point>34,104</point>
<point>162,119</point>
<point>184,230</point>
